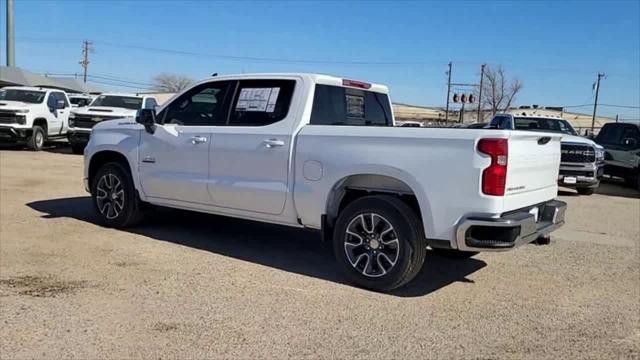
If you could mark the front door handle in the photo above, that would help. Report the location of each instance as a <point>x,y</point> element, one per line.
<point>273,142</point>
<point>198,140</point>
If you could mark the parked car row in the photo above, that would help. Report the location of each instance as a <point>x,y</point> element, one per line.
<point>614,152</point>
<point>33,115</point>
<point>582,162</point>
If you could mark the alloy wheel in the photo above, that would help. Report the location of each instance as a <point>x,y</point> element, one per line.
<point>371,244</point>
<point>110,196</point>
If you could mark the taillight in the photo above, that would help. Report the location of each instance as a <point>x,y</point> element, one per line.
<point>494,177</point>
<point>357,84</point>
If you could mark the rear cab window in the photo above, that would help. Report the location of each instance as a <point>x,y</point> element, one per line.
<point>336,105</point>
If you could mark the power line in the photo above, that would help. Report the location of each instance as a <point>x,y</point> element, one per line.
<point>100,77</point>
<point>296,61</point>
<point>241,58</point>
<point>121,85</point>
<point>621,106</point>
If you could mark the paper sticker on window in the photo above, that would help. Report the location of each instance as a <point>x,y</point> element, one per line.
<point>355,106</point>
<point>258,99</point>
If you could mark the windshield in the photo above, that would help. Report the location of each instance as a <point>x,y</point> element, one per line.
<point>80,101</point>
<point>28,96</point>
<point>543,124</point>
<point>127,102</point>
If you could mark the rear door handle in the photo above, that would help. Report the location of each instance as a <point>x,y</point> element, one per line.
<point>273,142</point>
<point>198,140</point>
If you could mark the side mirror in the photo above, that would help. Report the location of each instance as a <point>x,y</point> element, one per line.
<point>52,103</point>
<point>630,143</point>
<point>147,117</point>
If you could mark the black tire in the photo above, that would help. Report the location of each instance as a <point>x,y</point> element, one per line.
<point>37,139</point>
<point>128,209</point>
<point>77,149</point>
<point>585,191</point>
<point>408,251</point>
<point>454,254</point>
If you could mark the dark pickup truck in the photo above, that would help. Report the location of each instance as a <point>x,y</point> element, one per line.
<point>621,142</point>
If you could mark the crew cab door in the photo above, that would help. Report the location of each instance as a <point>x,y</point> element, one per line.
<point>174,160</point>
<point>249,161</point>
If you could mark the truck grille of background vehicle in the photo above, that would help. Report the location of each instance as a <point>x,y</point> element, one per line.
<point>87,122</point>
<point>577,173</point>
<point>577,153</point>
<point>9,117</point>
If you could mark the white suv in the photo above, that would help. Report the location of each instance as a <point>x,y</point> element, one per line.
<point>31,115</point>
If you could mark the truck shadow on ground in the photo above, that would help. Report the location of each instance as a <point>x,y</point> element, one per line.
<point>288,249</point>
<point>56,147</point>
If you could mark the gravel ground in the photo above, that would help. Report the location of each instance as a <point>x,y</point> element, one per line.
<point>187,285</point>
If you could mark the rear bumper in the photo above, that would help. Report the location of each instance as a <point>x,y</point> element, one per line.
<point>511,230</point>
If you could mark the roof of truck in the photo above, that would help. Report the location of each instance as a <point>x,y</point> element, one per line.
<point>123,94</point>
<point>541,116</point>
<point>30,88</point>
<point>314,77</point>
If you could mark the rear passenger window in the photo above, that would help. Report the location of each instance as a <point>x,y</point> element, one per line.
<point>335,105</point>
<point>261,102</point>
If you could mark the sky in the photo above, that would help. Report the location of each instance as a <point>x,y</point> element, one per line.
<point>555,48</point>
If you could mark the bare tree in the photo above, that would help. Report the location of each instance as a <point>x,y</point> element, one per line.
<point>498,93</point>
<point>171,82</point>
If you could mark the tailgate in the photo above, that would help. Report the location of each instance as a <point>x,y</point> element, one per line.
<point>533,166</point>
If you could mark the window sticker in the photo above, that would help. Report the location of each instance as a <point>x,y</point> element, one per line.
<point>258,99</point>
<point>355,106</point>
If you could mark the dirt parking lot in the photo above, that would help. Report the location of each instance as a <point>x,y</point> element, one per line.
<point>187,285</point>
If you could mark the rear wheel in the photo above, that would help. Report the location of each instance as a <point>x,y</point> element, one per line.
<point>114,197</point>
<point>38,136</point>
<point>585,191</point>
<point>379,243</point>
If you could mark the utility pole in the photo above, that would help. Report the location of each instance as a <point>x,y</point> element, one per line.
<point>480,93</point>
<point>446,116</point>
<point>616,117</point>
<point>86,49</point>
<point>595,104</point>
<point>11,55</point>
<point>461,119</point>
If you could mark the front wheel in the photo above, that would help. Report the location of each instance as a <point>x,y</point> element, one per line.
<point>114,197</point>
<point>36,141</point>
<point>379,243</point>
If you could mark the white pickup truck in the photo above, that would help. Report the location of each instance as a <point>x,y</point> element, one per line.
<point>32,115</point>
<point>321,152</point>
<point>104,107</point>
